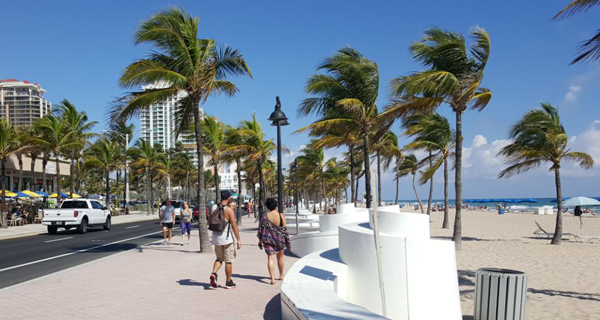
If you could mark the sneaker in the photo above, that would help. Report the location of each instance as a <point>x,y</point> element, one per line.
<point>181,244</point>
<point>188,243</point>
<point>230,284</point>
<point>165,243</point>
<point>213,280</point>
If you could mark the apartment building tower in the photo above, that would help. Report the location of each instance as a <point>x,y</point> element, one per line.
<point>22,102</point>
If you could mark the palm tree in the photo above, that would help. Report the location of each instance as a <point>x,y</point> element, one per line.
<point>410,165</point>
<point>214,144</point>
<point>453,77</point>
<point>78,122</point>
<point>105,155</point>
<point>589,50</point>
<point>56,138</point>
<point>167,169</point>
<point>119,131</point>
<point>386,149</point>
<point>180,63</point>
<point>145,157</point>
<point>9,145</point>
<point>539,137</point>
<point>346,101</point>
<point>233,153</point>
<point>258,150</point>
<point>313,159</point>
<point>432,133</point>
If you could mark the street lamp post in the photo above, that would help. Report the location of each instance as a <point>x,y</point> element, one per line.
<point>296,194</point>
<point>279,119</point>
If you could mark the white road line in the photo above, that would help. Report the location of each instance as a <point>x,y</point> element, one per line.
<point>75,252</point>
<point>132,227</point>
<point>58,239</point>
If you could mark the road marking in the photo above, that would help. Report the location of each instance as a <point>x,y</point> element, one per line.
<point>132,227</point>
<point>58,239</point>
<point>75,252</point>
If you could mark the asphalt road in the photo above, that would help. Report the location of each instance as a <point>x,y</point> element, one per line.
<point>28,258</point>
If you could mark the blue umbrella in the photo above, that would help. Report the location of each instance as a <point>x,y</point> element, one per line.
<point>42,193</point>
<point>22,195</point>
<point>530,200</point>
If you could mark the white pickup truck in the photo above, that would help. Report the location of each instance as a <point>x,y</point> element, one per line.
<point>80,213</point>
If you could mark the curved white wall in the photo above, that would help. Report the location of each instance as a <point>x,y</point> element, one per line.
<point>331,222</point>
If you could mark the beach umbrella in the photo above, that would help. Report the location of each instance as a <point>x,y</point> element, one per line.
<point>62,195</point>
<point>75,195</point>
<point>530,200</point>
<point>43,194</point>
<point>31,194</point>
<point>21,195</point>
<point>9,194</point>
<point>581,201</point>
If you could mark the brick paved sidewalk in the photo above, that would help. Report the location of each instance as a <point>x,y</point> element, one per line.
<point>152,282</point>
<point>38,228</point>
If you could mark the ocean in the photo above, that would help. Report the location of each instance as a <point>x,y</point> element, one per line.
<point>541,202</point>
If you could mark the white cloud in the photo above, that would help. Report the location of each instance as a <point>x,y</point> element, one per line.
<point>479,141</point>
<point>588,142</point>
<point>576,85</point>
<point>480,160</point>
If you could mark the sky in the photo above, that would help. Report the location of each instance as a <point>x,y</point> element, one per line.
<point>78,49</point>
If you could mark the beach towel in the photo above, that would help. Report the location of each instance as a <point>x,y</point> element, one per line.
<point>274,238</point>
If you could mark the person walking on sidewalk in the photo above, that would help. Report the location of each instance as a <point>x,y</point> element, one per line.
<point>224,227</point>
<point>186,222</point>
<point>273,237</point>
<point>167,217</point>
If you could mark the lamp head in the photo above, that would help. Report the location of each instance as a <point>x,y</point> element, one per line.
<point>278,115</point>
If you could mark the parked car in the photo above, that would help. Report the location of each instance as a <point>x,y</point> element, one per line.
<point>77,213</point>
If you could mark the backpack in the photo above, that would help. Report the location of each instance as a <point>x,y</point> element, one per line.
<point>216,220</point>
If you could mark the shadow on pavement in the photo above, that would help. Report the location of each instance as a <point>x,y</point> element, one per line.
<point>249,277</point>
<point>190,282</point>
<point>273,309</point>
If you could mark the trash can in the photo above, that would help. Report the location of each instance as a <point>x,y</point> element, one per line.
<point>500,294</point>
<point>501,211</point>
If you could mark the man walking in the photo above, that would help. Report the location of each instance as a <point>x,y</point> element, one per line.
<point>224,240</point>
<point>167,218</point>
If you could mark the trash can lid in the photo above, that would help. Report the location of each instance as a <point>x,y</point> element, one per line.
<point>500,270</point>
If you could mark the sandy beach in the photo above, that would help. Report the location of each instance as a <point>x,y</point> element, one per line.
<point>564,280</point>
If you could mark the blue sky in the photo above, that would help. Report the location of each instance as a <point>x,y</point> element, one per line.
<point>77,50</point>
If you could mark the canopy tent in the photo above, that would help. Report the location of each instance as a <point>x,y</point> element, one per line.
<point>8,194</point>
<point>75,195</point>
<point>22,195</point>
<point>42,193</point>
<point>31,194</point>
<point>62,195</point>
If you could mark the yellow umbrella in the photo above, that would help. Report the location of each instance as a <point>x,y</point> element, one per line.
<point>75,195</point>
<point>31,194</point>
<point>8,194</point>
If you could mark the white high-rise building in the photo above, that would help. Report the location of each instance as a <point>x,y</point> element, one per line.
<point>158,125</point>
<point>22,102</point>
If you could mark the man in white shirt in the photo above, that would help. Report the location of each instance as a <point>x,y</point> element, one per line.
<point>225,243</point>
<point>167,218</point>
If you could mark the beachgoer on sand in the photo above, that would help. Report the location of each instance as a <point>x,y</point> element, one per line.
<point>273,237</point>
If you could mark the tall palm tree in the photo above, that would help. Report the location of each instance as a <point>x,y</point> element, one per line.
<point>119,131</point>
<point>9,145</point>
<point>233,153</point>
<point>181,62</point>
<point>453,76</point>
<point>78,122</point>
<point>105,155</point>
<point>145,158</point>
<point>410,165</point>
<point>214,145</point>
<point>589,50</point>
<point>432,133</point>
<point>386,149</point>
<point>540,137</point>
<point>167,169</point>
<point>56,138</point>
<point>313,158</point>
<point>346,99</point>
<point>258,150</point>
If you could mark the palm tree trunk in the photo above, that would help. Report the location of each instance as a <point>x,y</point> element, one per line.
<point>187,189</point>
<point>71,174</point>
<point>262,191</point>
<point>457,233</point>
<point>558,229</point>
<point>202,228</point>
<point>367,169</point>
<point>107,188</point>
<point>397,180</point>
<point>44,164</point>
<point>378,179</point>
<point>238,163</point>
<point>3,210</point>
<point>151,191</point>
<point>78,167</point>
<point>217,184</point>
<point>430,187</point>
<point>417,194</point>
<point>351,174</point>
<point>445,224</point>
<point>32,170</point>
<point>355,196</point>
<point>57,179</point>
<point>148,187</point>
<point>117,189</point>
<point>20,160</point>
<point>323,192</point>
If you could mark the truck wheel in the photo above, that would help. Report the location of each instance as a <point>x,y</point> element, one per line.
<point>83,227</point>
<point>52,229</point>
<point>107,224</point>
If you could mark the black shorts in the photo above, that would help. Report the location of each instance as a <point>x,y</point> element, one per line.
<point>168,225</point>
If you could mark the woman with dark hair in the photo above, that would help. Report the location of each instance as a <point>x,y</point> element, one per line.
<point>273,237</point>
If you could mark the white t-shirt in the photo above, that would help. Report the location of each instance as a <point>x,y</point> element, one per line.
<point>224,237</point>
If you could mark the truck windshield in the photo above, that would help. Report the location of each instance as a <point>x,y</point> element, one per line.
<point>74,205</point>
